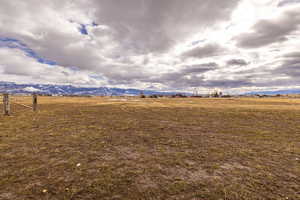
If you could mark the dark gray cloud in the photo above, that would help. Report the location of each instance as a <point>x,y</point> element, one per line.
<point>116,31</point>
<point>239,62</point>
<point>266,32</point>
<point>207,50</point>
<point>125,74</point>
<point>192,70</point>
<point>287,2</point>
<point>292,55</point>
<point>289,67</point>
<point>176,80</point>
<point>199,68</point>
<point>152,25</point>
<point>227,83</point>
<point>194,76</point>
<point>138,43</point>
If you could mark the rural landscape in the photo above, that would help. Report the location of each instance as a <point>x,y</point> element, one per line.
<point>150,100</point>
<point>166,148</point>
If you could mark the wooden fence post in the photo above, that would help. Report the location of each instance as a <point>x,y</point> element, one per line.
<point>34,102</point>
<point>6,105</point>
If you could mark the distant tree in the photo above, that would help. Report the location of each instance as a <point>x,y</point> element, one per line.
<point>142,95</point>
<point>179,96</point>
<point>216,94</point>
<point>153,96</point>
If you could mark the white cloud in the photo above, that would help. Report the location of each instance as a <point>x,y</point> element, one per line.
<point>151,44</point>
<point>17,66</point>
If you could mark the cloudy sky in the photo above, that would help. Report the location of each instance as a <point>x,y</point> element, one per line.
<point>232,45</point>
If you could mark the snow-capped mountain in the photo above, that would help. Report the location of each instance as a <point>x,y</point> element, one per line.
<point>13,88</point>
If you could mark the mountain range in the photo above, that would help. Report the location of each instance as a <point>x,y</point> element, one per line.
<point>45,89</point>
<point>48,89</point>
<point>275,92</point>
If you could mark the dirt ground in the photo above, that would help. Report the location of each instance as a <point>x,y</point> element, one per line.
<point>131,148</point>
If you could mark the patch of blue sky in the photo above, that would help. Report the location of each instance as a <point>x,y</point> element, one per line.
<point>95,24</point>
<point>83,29</point>
<point>197,42</point>
<point>12,43</point>
<point>74,68</point>
<point>16,44</point>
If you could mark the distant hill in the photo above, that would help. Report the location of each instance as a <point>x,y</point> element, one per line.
<point>14,88</point>
<point>48,89</point>
<point>282,92</point>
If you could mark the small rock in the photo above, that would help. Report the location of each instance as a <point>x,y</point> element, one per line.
<point>78,165</point>
<point>44,190</point>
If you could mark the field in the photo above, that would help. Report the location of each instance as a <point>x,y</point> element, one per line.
<point>131,148</point>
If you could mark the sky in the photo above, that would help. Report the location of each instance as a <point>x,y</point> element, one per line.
<point>166,45</point>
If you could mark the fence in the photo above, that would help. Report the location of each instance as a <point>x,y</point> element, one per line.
<point>7,101</point>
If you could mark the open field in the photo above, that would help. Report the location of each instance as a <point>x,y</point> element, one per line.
<point>116,148</point>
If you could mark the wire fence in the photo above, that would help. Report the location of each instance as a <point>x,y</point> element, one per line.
<point>11,104</point>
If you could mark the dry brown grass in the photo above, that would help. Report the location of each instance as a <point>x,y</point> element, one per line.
<point>117,148</point>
